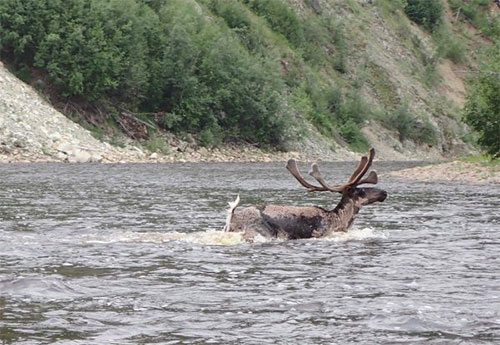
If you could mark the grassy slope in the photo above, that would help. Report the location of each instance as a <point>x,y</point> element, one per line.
<point>399,67</point>
<point>404,83</point>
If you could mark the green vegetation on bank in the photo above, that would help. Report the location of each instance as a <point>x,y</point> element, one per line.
<point>484,160</point>
<point>214,68</point>
<point>482,108</point>
<point>428,13</point>
<point>224,70</point>
<point>172,62</point>
<point>477,12</point>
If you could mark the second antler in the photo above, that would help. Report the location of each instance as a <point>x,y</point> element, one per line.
<point>354,180</point>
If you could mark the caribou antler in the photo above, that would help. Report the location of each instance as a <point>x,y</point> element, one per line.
<point>317,175</point>
<point>291,165</point>
<point>360,167</point>
<point>354,180</point>
<point>363,167</point>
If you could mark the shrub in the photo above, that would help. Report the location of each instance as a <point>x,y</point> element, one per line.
<point>427,13</point>
<point>354,108</point>
<point>483,103</point>
<point>491,26</point>
<point>213,81</point>
<point>449,46</point>
<point>471,8</point>
<point>281,18</point>
<point>308,100</point>
<point>424,132</point>
<point>337,32</point>
<point>237,18</point>
<point>430,75</point>
<point>157,56</point>
<point>332,112</point>
<point>157,143</point>
<point>477,11</point>
<point>409,127</point>
<point>87,47</point>
<point>209,139</point>
<point>351,133</point>
<point>455,51</point>
<point>402,121</point>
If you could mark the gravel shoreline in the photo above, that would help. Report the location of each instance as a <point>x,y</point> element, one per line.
<point>138,155</point>
<point>456,171</point>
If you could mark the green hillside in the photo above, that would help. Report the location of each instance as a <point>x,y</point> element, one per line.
<point>272,73</point>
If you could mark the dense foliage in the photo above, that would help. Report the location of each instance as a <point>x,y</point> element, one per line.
<point>165,59</point>
<point>427,13</point>
<point>482,109</point>
<point>220,69</point>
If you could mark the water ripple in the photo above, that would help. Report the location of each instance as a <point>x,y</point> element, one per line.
<point>128,254</point>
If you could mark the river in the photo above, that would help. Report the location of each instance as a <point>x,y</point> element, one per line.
<point>134,254</point>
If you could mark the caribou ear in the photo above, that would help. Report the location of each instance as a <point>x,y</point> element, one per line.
<point>371,178</point>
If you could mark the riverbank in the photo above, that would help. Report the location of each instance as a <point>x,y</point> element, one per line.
<point>134,154</point>
<point>31,130</point>
<point>456,171</point>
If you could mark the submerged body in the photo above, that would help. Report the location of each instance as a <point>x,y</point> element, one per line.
<point>279,221</point>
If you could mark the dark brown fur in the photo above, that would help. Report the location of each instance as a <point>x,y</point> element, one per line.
<point>294,222</point>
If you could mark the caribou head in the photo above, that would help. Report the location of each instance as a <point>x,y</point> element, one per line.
<point>293,222</point>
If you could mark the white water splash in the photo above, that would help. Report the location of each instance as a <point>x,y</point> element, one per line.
<point>209,237</point>
<point>219,237</point>
<point>354,234</point>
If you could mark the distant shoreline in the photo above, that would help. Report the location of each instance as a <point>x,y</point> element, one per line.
<point>138,155</point>
<point>456,171</point>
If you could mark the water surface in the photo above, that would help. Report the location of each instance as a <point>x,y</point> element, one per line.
<point>133,254</point>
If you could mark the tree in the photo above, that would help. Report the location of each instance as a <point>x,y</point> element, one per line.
<point>482,107</point>
<point>427,13</point>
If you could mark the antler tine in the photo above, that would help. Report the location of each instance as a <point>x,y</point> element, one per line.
<point>317,176</point>
<point>291,165</point>
<point>355,180</point>
<point>356,172</point>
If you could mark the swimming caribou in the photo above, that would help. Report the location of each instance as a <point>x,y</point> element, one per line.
<point>294,222</point>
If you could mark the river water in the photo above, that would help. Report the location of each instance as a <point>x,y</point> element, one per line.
<point>133,254</point>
